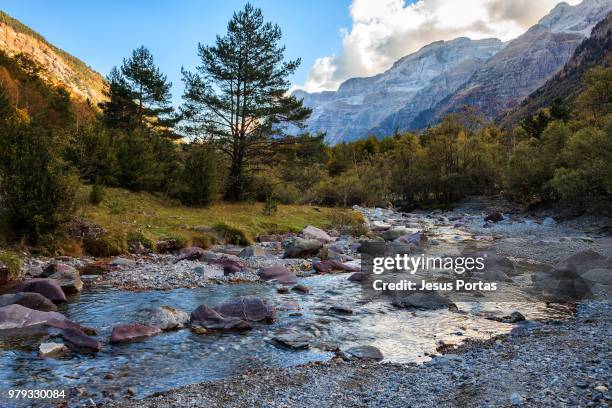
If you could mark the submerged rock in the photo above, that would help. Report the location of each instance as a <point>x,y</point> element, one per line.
<point>358,277</point>
<point>30,300</point>
<point>301,289</point>
<point>292,338</point>
<point>132,332</point>
<point>422,300</point>
<point>48,288</point>
<point>494,217</point>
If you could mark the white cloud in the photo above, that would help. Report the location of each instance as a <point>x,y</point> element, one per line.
<point>385,30</point>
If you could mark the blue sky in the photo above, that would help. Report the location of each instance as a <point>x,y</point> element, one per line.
<point>101,33</point>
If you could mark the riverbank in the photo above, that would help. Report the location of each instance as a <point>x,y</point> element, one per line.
<point>551,364</point>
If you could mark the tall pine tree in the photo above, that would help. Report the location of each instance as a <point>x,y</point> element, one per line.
<point>139,96</point>
<point>238,98</point>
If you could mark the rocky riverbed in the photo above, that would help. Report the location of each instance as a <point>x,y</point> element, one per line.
<point>105,328</point>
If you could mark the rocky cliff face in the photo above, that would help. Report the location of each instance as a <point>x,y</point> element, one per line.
<point>524,65</point>
<point>567,83</point>
<point>443,77</point>
<point>415,82</point>
<point>58,67</point>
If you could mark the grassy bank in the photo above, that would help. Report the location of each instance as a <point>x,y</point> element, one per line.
<point>127,215</point>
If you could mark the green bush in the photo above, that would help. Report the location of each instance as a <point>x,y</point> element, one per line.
<point>200,178</point>
<point>348,222</point>
<point>12,262</point>
<point>110,244</point>
<point>203,240</point>
<point>96,195</point>
<point>232,234</point>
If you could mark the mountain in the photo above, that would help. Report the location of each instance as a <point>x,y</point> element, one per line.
<point>524,65</point>
<point>567,83</point>
<point>414,83</point>
<point>57,66</point>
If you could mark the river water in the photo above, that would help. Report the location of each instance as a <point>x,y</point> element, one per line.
<point>174,359</point>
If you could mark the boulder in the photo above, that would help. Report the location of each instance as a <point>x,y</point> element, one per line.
<point>4,274</point>
<point>341,309</point>
<point>252,251</point>
<point>69,279</point>
<point>49,288</point>
<point>549,222</point>
<point>422,300</point>
<point>358,277</point>
<point>31,300</point>
<point>494,217</point>
<point>249,308</point>
<point>418,238</point>
<point>330,266</point>
<point>96,268</point>
<point>380,226</point>
<point>52,350</point>
<point>132,332</point>
<point>120,261</point>
<point>279,274</point>
<point>229,263</point>
<point>210,319</point>
<point>189,253</point>
<point>16,317</point>
<point>300,248</point>
<point>395,233</point>
<point>168,318</point>
<point>311,232</point>
<point>67,324</point>
<point>55,267</point>
<point>365,353</point>
<point>168,245</point>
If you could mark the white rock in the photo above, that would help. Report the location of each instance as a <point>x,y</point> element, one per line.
<point>52,349</point>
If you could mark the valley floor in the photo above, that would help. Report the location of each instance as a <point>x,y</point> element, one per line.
<point>547,365</point>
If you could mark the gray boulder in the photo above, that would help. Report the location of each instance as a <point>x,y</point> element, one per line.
<point>311,232</point>
<point>422,300</point>
<point>279,274</point>
<point>168,318</point>
<point>16,317</point>
<point>49,288</point>
<point>365,353</point>
<point>31,300</point>
<point>209,319</point>
<point>252,251</point>
<point>248,308</point>
<point>301,248</point>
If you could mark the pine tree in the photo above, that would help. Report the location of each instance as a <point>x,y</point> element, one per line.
<point>139,96</point>
<point>237,97</point>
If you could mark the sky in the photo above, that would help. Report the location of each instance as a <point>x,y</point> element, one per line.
<point>336,39</point>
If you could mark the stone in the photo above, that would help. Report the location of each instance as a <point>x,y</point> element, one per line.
<point>252,251</point>
<point>311,232</point>
<point>292,338</point>
<point>549,222</point>
<point>422,300</point>
<point>494,217</point>
<point>514,317</point>
<point>168,318</point>
<point>120,261</point>
<point>330,266</point>
<point>168,245</point>
<point>365,353</point>
<point>209,319</point>
<point>132,332</point>
<point>51,350</point>
<point>301,248</point>
<point>301,289</point>
<point>380,226</point>
<point>282,289</point>
<point>55,267</point>
<point>69,279</point>
<point>16,317</point>
<point>248,308</point>
<point>77,339</point>
<point>358,277</point>
<point>279,274</point>
<point>394,233</point>
<point>49,288</point>
<point>189,253</point>
<point>418,238</point>
<point>31,300</point>
<point>34,271</point>
<point>515,399</point>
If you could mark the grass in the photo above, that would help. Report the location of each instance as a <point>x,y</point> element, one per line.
<point>124,213</point>
<point>12,260</point>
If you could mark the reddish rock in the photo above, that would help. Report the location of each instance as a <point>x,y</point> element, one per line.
<point>330,266</point>
<point>358,277</point>
<point>76,338</point>
<point>249,308</point>
<point>279,274</point>
<point>17,316</point>
<point>210,319</point>
<point>168,245</point>
<point>67,324</point>
<point>494,217</point>
<point>301,289</point>
<point>132,332</point>
<point>49,288</point>
<point>55,267</point>
<point>96,268</point>
<point>190,253</point>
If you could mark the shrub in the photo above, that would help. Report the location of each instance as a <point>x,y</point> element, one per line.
<point>232,234</point>
<point>203,240</point>
<point>12,262</point>
<point>96,194</point>
<point>348,222</point>
<point>110,244</point>
<point>200,178</point>
<point>137,238</point>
